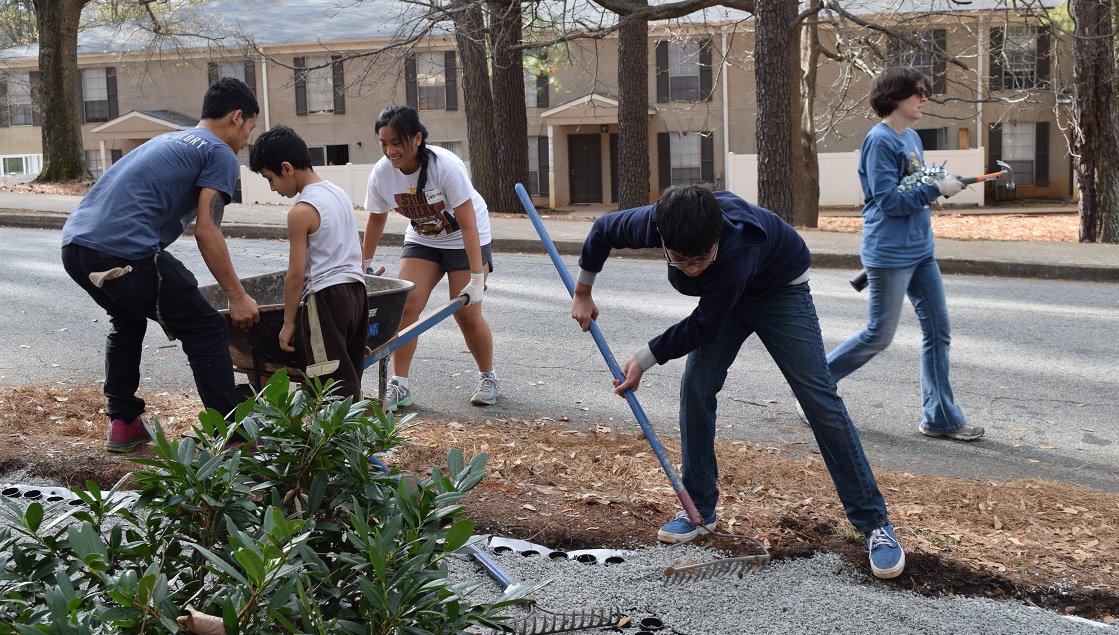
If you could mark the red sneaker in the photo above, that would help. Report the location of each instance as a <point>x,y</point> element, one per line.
<point>124,436</point>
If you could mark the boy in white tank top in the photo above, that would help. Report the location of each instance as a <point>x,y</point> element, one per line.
<point>324,264</point>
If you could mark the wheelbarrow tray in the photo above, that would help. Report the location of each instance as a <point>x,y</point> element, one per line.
<point>256,350</point>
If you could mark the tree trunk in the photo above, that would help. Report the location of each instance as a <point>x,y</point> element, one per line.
<point>510,119</point>
<point>633,113</point>
<point>775,125</point>
<point>807,191</point>
<point>477,97</point>
<point>63,149</point>
<point>1096,140</point>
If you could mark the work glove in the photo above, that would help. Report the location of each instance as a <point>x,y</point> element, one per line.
<point>950,186</point>
<point>475,288</point>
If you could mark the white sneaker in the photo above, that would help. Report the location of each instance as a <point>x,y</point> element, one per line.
<point>800,412</point>
<point>397,396</point>
<point>486,392</point>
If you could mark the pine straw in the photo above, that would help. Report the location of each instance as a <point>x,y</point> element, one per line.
<point>1032,533</point>
<point>1028,531</point>
<point>1038,227</point>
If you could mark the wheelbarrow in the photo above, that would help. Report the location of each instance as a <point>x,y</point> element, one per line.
<point>256,351</point>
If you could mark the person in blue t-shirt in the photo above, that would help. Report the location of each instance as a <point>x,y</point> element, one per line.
<point>749,270</point>
<point>113,247</point>
<point>897,251</point>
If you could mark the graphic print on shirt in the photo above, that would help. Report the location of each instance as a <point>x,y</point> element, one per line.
<point>914,165</point>
<point>427,211</point>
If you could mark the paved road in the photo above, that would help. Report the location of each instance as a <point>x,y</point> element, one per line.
<point>1035,362</point>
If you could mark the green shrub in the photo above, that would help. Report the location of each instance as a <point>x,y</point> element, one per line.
<point>298,535</point>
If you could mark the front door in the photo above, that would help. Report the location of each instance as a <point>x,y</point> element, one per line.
<point>584,157</point>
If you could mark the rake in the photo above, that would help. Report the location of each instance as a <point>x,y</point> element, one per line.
<point>739,566</point>
<point>638,412</point>
<point>541,621</point>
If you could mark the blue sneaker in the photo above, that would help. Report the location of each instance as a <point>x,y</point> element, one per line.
<point>680,529</point>
<point>887,560</point>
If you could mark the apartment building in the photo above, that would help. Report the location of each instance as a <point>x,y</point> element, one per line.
<point>327,69</point>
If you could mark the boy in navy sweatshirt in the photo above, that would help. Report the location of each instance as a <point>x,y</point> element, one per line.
<point>749,270</point>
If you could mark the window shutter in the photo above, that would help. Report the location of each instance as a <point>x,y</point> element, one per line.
<point>996,59</point>
<point>115,155</point>
<point>339,85</point>
<point>410,80</point>
<point>662,72</point>
<point>300,87</point>
<point>664,160</point>
<point>111,92</point>
<point>212,73</point>
<point>543,156</point>
<point>450,72</point>
<point>542,90</point>
<point>81,98</point>
<point>705,70</point>
<point>1042,57</point>
<point>940,66</point>
<point>1041,153</point>
<point>994,148</point>
<point>250,75</point>
<point>5,110</point>
<point>36,114</point>
<point>707,157</point>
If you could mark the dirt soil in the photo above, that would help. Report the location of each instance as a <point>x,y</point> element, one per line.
<point>1047,544</point>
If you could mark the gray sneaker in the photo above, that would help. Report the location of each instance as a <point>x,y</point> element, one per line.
<point>966,433</point>
<point>486,392</point>
<point>800,412</point>
<point>397,396</point>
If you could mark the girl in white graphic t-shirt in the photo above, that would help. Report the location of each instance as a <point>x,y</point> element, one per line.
<point>449,234</point>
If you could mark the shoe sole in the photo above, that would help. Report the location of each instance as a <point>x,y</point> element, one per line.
<point>673,539</point>
<point>953,435</point>
<point>403,403</point>
<point>122,448</point>
<point>892,572</point>
<point>478,401</point>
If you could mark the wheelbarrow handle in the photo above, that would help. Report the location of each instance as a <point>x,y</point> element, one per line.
<point>414,330</point>
<point>638,412</point>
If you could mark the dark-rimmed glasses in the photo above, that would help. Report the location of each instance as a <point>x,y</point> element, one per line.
<point>921,91</point>
<point>684,265</point>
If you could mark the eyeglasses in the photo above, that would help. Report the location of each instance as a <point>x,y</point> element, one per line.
<point>684,265</point>
<point>921,91</point>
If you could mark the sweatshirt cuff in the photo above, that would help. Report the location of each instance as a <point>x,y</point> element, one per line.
<point>586,277</point>
<point>645,358</point>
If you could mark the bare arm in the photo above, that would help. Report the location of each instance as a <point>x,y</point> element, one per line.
<point>211,243</point>
<point>303,219</point>
<point>468,223</point>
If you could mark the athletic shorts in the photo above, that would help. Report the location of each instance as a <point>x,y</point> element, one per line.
<point>449,259</point>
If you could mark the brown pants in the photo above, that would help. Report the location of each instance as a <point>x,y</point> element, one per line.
<point>333,333</point>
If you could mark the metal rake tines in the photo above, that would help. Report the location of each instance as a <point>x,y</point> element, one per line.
<point>542,621</point>
<point>739,566</point>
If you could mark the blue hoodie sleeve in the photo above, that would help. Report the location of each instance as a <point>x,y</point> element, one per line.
<point>885,167</point>
<point>628,229</point>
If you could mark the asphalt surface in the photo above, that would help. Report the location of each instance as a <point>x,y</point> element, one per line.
<point>789,597</point>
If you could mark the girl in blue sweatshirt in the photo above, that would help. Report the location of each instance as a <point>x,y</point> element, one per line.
<point>897,251</point>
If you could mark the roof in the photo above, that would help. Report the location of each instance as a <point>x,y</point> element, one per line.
<point>143,124</point>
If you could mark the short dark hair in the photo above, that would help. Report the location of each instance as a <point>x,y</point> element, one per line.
<point>274,147</point>
<point>227,95</point>
<point>689,220</point>
<point>893,85</point>
<point>405,122</point>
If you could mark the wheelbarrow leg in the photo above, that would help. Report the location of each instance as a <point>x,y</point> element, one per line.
<point>382,380</point>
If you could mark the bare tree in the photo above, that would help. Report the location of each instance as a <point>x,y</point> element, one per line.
<point>510,119</point>
<point>775,124</point>
<point>1096,136</point>
<point>470,37</point>
<point>63,150</point>
<point>633,112</point>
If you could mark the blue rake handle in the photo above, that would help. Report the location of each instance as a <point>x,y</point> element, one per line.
<point>638,412</point>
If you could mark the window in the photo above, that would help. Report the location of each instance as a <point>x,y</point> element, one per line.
<point>685,158</point>
<point>318,155</point>
<point>920,52</point>
<point>431,81</point>
<point>1025,147</point>
<point>19,101</point>
<point>536,79</point>
<point>99,94</point>
<point>319,84</point>
<point>538,166</point>
<point>684,71</point>
<point>1019,58</point>
<point>933,138</point>
<point>242,70</point>
<point>453,146</point>
<point>14,165</point>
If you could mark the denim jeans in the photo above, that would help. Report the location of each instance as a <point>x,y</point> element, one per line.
<point>130,301</point>
<point>787,326</point>
<point>925,288</point>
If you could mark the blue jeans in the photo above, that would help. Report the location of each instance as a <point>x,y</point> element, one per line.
<point>888,288</point>
<point>786,324</point>
<point>130,301</point>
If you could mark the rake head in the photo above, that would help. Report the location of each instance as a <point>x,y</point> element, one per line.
<point>542,621</point>
<point>739,566</point>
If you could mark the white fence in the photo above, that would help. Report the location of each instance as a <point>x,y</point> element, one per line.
<point>839,176</point>
<point>351,177</point>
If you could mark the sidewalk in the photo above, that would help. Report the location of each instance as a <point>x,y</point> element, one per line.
<point>1063,261</point>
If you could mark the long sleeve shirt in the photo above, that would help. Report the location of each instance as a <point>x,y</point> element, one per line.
<point>758,254</point>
